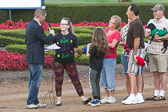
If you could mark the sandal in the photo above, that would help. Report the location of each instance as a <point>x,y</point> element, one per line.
<point>150,98</point>
<point>159,98</point>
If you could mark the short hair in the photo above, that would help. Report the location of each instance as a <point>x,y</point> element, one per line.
<point>39,12</point>
<point>135,9</point>
<point>118,20</point>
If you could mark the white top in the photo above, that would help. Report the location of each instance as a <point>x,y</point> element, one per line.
<point>124,37</point>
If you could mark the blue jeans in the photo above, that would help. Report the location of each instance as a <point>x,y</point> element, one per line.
<point>124,63</point>
<point>108,73</point>
<point>34,83</point>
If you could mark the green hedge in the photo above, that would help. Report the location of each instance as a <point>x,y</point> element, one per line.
<point>84,38</point>
<point>84,35</point>
<point>21,49</point>
<point>17,33</point>
<point>81,29</point>
<point>86,12</point>
<point>82,60</point>
<point>5,40</point>
<point>3,15</point>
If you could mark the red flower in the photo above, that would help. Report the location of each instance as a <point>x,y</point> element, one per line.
<point>126,48</point>
<point>140,61</point>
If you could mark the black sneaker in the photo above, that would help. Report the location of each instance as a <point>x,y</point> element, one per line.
<point>150,98</point>
<point>159,98</point>
<point>87,101</point>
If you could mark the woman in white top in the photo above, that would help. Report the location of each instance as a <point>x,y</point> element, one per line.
<point>125,54</point>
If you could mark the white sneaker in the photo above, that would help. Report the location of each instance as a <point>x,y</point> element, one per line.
<point>104,100</point>
<point>130,100</point>
<point>41,105</point>
<point>111,99</point>
<point>31,106</point>
<point>139,99</point>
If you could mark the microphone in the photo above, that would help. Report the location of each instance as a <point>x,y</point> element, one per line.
<point>49,26</point>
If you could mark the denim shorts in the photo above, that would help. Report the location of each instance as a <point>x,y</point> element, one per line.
<point>124,62</point>
<point>107,78</point>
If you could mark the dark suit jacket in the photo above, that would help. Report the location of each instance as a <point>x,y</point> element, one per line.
<point>35,40</point>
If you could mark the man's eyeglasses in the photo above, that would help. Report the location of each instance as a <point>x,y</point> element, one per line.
<point>63,24</point>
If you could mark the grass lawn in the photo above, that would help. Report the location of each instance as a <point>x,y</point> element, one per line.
<point>90,1</point>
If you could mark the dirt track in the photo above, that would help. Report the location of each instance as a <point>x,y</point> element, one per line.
<point>13,95</point>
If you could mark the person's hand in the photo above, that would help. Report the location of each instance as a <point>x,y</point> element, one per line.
<point>134,56</point>
<point>51,31</point>
<point>128,58</point>
<point>122,43</point>
<point>156,38</point>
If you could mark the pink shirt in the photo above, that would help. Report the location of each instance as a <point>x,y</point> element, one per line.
<point>112,52</point>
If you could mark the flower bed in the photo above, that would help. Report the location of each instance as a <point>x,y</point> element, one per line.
<point>9,24</point>
<point>15,61</point>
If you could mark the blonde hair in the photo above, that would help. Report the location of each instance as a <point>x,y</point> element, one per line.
<point>118,20</point>
<point>99,40</point>
<point>39,12</point>
<point>70,29</point>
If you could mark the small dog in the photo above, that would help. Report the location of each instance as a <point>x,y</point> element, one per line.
<point>155,31</point>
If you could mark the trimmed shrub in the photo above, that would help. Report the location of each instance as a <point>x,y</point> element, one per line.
<point>4,40</point>
<point>3,15</point>
<point>83,30</point>
<point>82,60</point>
<point>17,33</point>
<point>84,38</point>
<point>84,12</point>
<point>21,49</point>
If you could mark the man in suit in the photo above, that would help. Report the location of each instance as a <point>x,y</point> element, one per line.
<point>35,40</point>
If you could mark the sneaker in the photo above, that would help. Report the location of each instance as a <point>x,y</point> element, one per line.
<point>104,100</point>
<point>87,101</point>
<point>41,105</point>
<point>111,100</point>
<point>95,102</point>
<point>130,100</point>
<point>139,99</point>
<point>150,98</point>
<point>125,98</point>
<point>159,98</point>
<point>31,106</point>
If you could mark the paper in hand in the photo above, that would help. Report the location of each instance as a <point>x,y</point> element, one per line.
<point>51,47</point>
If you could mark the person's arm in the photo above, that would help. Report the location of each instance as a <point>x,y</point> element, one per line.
<point>75,43</point>
<point>121,42</point>
<point>40,34</point>
<point>136,46</point>
<point>87,52</point>
<point>136,34</point>
<point>113,44</point>
<point>165,37</point>
<point>75,49</point>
